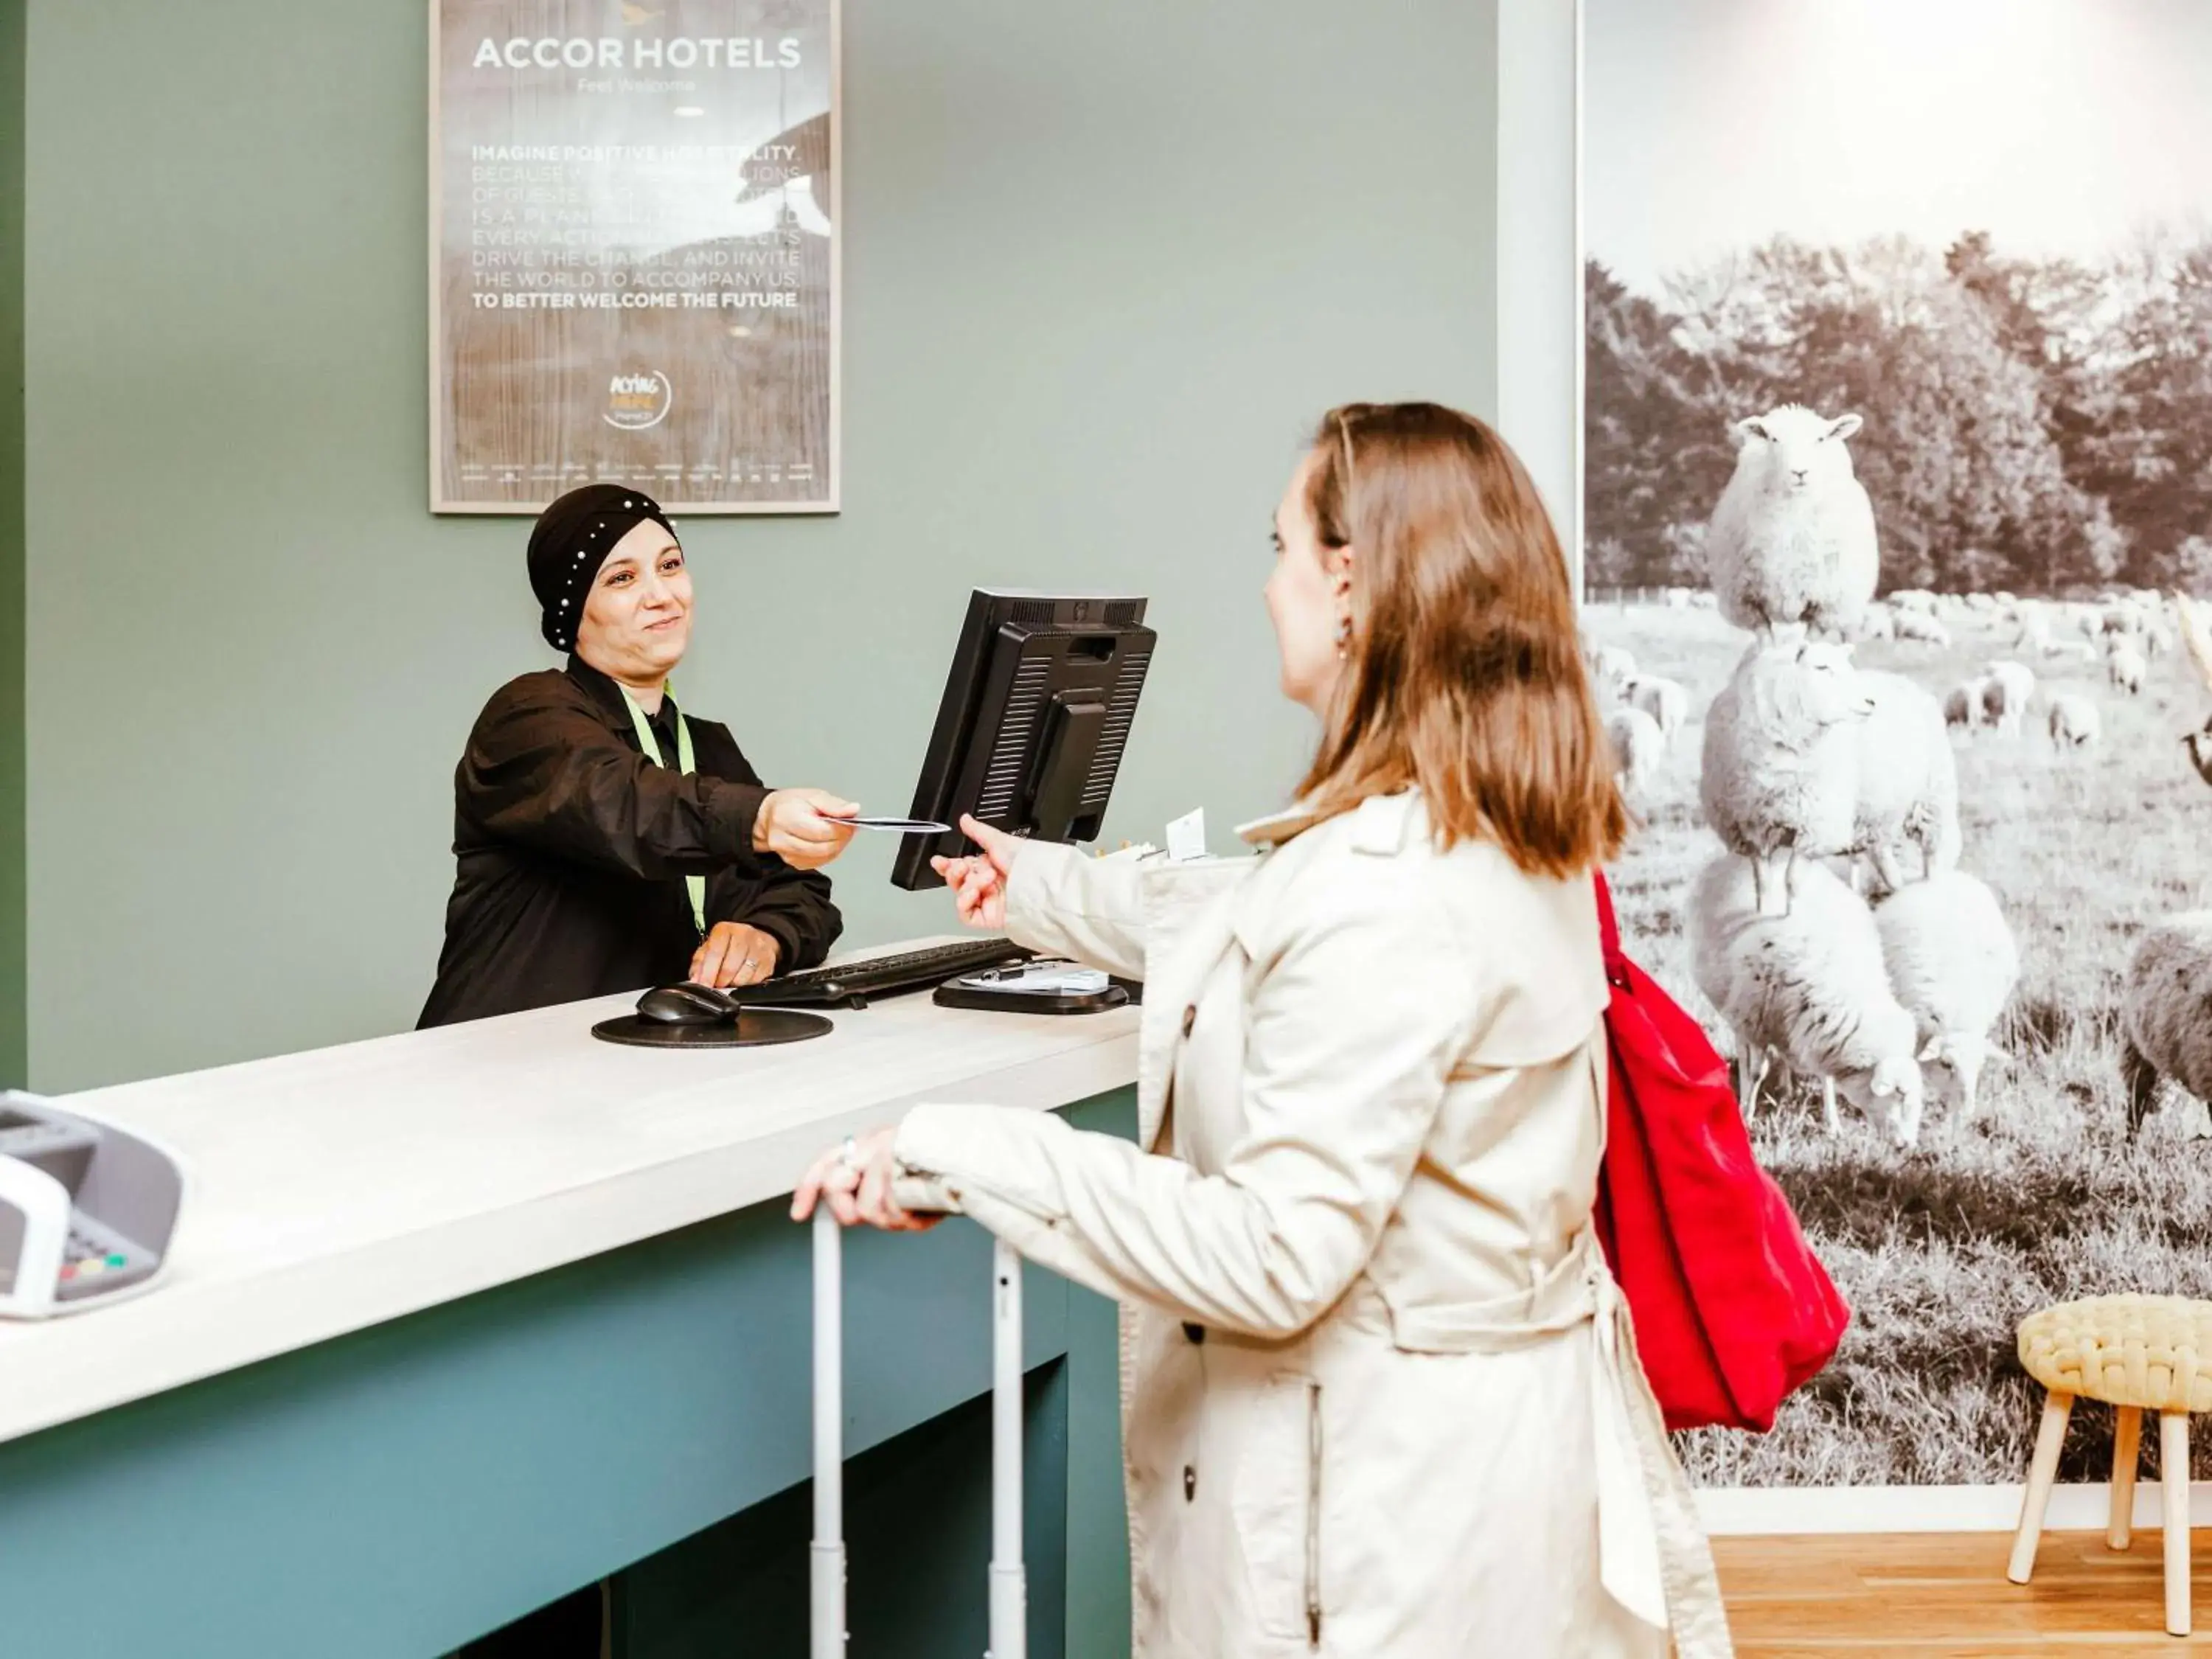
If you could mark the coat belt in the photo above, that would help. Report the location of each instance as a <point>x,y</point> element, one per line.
<point>1653,1558</point>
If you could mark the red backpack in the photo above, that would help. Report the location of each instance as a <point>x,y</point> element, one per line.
<point>1732,1308</point>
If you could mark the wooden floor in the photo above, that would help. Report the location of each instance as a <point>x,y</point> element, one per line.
<point>1945,1595</point>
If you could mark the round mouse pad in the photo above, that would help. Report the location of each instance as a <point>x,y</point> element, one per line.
<point>754,1028</point>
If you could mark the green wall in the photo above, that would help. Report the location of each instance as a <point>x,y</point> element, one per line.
<point>14,1062</point>
<point>1102,266</point>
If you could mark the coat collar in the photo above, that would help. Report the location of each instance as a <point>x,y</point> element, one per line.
<point>1381,824</point>
<point>1277,828</point>
<point>607,697</point>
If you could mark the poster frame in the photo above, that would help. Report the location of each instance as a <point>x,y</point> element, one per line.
<point>441,506</point>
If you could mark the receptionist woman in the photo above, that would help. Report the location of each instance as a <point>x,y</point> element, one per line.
<point>603,840</point>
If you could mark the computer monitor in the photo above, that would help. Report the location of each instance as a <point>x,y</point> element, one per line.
<point>1035,716</point>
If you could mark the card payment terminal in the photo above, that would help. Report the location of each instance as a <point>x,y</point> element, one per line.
<point>87,1210</point>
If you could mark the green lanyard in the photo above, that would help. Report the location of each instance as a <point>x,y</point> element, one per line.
<point>687,764</point>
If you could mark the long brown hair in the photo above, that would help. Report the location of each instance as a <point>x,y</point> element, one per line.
<point>1463,671</point>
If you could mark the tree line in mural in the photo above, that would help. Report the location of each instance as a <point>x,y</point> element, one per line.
<point>2043,427</point>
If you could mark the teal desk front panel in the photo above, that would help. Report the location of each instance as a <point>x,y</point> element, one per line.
<point>918,1539</point>
<point>397,1491</point>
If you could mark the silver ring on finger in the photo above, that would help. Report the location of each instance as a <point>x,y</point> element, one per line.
<point>846,1150</point>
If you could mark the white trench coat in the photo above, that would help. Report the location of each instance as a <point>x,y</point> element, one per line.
<point>1380,1393</point>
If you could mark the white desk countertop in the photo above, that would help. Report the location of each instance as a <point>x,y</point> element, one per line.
<point>334,1190</point>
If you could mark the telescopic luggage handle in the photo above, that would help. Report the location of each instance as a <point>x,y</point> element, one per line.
<point>826,1559</point>
<point>1009,1588</point>
<point>1009,1636</point>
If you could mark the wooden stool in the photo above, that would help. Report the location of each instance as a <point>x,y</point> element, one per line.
<point>2137,1353</point>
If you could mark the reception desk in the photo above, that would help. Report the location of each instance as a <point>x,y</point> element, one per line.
<point>460,1320</point>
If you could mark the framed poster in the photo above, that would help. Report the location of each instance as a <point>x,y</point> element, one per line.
<point>633,257</point>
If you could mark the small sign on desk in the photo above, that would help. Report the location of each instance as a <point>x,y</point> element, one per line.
<point>1187,838</point>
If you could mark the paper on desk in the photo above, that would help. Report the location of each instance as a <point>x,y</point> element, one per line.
<point>1053,977</point>
<point>1187,838</point>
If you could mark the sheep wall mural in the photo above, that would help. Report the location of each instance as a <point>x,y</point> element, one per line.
<point>1898,487</point>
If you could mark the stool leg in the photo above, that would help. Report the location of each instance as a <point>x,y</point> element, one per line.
<point>2040,1474</point>
<point>2174,1478</point>
<point>2127,1450</point>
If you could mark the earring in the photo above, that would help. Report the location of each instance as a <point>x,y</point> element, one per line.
<point>1344,636</point>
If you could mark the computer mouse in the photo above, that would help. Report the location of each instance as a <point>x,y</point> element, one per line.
<point>686,1004</point>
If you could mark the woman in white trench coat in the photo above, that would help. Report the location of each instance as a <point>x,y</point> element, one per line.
<point>1382,1397</point>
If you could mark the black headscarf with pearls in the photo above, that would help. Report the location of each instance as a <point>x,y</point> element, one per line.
<point>571,541</point>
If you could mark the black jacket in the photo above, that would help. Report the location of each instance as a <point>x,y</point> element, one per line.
<point>571,847</point>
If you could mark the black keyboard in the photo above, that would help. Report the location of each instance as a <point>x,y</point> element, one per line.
<point>853,983</point>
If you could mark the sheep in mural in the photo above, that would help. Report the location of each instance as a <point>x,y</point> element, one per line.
<point>2163,1002</point>
<point>1952,962</point>
<point>1779,776</point>
<point>1792,537</point>
<point>1925,630</point>
<point>2123,618</point>
<point>2016,675</point>
<point>2034,630</point>
<point>1639,748</point>
<point>2075,722</point>
<point>1879,623</point>
<point>1610,668</point>
<point>2000,704</point>
<point>2125,667</point>
<point>1676,599</point>
<point>2200,751</point>
<point>1964,704</point>
<point>1914,598</point>
<point>2008,688</point>
<point>2198,642</point>
<point>1810,988</point>
<point>1664,700</point>
<point>1908,780</point>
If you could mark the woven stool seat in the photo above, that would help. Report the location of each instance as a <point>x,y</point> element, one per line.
<point>2153,1352</point>
<point>2135,1354</point>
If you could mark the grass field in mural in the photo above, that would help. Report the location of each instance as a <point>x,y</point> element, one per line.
<point>2043,1196</point>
